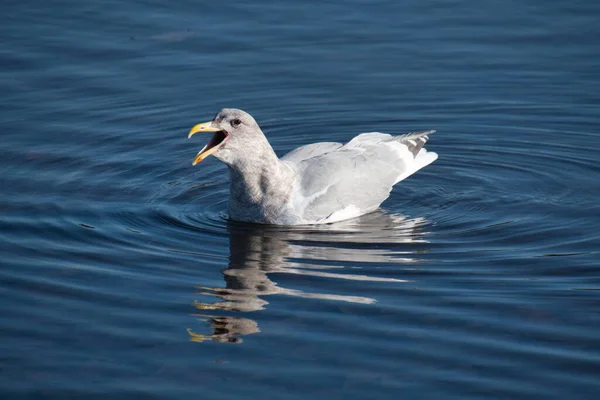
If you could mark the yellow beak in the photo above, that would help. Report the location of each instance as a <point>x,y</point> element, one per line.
<point>203,127</point>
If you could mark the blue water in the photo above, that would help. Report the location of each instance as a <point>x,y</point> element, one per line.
<point>121,277</point>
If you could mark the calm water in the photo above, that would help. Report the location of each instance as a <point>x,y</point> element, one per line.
<point>121,276</point>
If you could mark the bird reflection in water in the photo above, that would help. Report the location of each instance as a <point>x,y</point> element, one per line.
<point>259,250</point>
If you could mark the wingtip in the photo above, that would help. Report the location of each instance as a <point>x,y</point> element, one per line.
<point>419,133</point>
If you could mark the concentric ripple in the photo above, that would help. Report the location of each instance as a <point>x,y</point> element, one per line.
<point>123,277</point>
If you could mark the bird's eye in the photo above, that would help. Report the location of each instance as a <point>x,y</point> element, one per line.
<point>236,122</point>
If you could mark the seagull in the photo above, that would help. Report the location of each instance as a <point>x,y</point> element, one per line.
<point>319,183</point>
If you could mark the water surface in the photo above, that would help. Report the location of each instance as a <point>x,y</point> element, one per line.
<point>121,276</point>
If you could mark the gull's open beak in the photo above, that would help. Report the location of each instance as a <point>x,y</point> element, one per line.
<point>217,140</point>
<point>203,127</point>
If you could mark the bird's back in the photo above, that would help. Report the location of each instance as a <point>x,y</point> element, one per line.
<point>338,181</point>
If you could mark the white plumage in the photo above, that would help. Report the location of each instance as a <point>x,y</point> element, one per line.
<point>314,184</point>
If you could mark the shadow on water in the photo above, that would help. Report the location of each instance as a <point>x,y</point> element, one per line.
<point>257,252</point>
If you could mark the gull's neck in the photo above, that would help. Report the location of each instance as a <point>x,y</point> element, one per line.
<point>260,185</point>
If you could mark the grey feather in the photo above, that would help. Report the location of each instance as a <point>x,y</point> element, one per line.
<point>317,183</point>
<point>415,140</point>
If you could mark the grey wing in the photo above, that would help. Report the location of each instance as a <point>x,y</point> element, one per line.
<point>361,174</point>
<point>310,151</point>
<point>348,179</point>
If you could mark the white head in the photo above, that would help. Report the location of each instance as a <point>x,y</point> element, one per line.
<point>236,137</point>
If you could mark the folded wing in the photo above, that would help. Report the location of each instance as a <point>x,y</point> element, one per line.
<point>344,181</point>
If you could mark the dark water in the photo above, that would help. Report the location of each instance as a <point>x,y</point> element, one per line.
<point>121,277</point>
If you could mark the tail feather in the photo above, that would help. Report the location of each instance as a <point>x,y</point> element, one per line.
<point>414,140</point>
<point>423,159</point>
